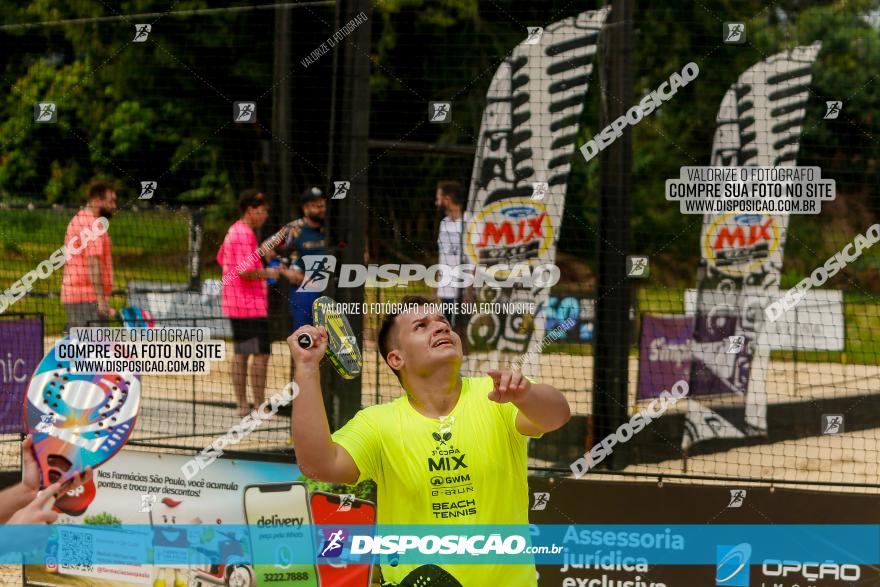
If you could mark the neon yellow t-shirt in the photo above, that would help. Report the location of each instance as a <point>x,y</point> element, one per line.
<point>470,468</point>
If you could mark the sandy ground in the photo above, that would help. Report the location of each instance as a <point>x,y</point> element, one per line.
<point>167,416</point>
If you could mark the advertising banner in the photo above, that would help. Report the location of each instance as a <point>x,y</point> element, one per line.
<point>144,495</point>
<point>669,352</point>
<point>664,353</point>
<point>816,324</point>
<point>520,174</point>
<point>21,350</point>
<point>758,124</point>
<point>649,527</point>
<point>628,534</point>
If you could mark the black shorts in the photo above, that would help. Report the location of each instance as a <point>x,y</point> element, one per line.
<point>250,336</point>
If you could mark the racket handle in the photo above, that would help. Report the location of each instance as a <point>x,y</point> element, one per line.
<point>304,340</point>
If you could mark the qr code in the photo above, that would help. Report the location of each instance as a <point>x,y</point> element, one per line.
<point>76,551</point>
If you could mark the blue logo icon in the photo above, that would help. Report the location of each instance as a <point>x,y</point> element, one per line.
<point>732,564</point>
<point>333,544</point>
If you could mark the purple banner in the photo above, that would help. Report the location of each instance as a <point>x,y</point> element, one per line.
<point>21,350</point>
<point>669,351</point>
<point>664,353</point>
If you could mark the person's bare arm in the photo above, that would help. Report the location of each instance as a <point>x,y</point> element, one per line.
<point>13,499</point>
<point>318,457</point>
<point>542,408</point>
<point>20,503</point>
<point>96,276</point>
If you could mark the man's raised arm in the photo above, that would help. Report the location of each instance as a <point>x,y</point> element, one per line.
<point>269,247</point>
<point>318,457</point>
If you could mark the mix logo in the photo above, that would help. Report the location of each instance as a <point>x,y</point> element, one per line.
<point>511,230</point>
<point>333,544</point>
<point>832,109</point>
<point>732,565</point>
<point>452,463</point>
<point>141,32</point>
<point>439,112</point>
<point>244,112</point>
<point>45,112</point>
<point>737,244</point>
<point>734,33</point>
<point>148,188</point>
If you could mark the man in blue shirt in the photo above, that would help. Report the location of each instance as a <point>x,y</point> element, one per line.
<point>304,236</point>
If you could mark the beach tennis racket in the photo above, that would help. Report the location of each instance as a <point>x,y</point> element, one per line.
<point>78,420</point>
<point>429,575</point>
<point>342,346</point>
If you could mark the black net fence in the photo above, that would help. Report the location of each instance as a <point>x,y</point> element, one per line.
<point>212,101</point>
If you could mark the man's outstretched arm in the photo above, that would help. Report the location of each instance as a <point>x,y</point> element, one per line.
<point>542,408</point>
<point>318,457</point>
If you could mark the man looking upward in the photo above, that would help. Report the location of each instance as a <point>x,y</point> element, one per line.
<point>477,427</point>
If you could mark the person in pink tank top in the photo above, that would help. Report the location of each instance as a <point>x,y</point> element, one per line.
<point>245,297</point>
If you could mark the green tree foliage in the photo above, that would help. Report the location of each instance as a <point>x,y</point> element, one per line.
<point>130,111</point>
<point>151,110</point>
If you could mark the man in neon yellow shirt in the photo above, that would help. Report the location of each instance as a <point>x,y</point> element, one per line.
<point>452,450</point>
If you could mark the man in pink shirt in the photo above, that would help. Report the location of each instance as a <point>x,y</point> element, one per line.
<point>88,276</point>
<point>245,297</point>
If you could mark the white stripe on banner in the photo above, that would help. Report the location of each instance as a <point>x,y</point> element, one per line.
<point>759,124</point>
<point>527,137</point>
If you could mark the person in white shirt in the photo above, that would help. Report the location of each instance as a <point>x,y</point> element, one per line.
<point>449,198</point>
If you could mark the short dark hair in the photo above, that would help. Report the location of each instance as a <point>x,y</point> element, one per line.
<point>251,198</point>
<point>97,189</point>
<point>452,189</point>
<point>389,319</point>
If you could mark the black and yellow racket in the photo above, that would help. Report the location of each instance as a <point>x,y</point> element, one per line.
<point>342,346</point>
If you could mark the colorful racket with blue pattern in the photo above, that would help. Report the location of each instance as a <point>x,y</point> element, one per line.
<point>78,420</point>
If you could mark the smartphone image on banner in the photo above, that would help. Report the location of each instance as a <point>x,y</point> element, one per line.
<point>331,510</point>
<point>279,520</point>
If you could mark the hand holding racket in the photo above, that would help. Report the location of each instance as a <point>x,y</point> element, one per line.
<point>31,478</point>
<point>78,421</point>
<point>341,343</point>
<point>307,346</point>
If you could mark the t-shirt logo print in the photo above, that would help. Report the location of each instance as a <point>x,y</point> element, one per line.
<point>442,437</point>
